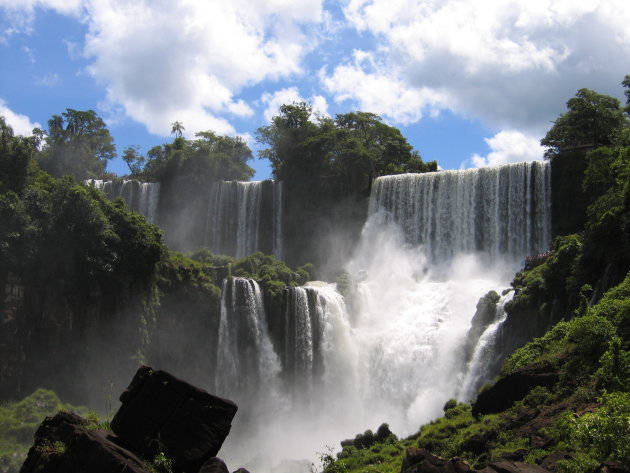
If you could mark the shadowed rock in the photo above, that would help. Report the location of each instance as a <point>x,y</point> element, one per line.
<point>63,444</point>
<point>161,413</point>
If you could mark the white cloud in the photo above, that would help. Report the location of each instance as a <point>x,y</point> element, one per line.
<point>509,146</point>
<point>21,124</point>
<point>20,14</point>
<point>187,60</point>
<point>512,64</point>
<point>274,100</point>
<point>374,90</point>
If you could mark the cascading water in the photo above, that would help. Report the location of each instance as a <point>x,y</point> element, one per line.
<point>141,197</point>
<point>502,211</point>
<point>244,217</point>
<point>246,360</point>
<point>432,246</point>
<point>483,363</point>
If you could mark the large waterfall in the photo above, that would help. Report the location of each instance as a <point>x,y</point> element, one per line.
<point>433,244</point>
<point>502,211</point>
<point>244,217</point>
<point>141,197</point>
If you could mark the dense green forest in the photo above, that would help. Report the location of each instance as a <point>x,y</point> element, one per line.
<point>81,272</point>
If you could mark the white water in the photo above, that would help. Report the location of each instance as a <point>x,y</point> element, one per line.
<point>432,246</point>
<point>141,197</point>
<point>485,354</point>
<point>246,360</point>
<point>243,219</point>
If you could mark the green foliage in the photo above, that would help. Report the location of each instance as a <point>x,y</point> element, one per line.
<point>598,436</point>
<point>18,422</point>
<point>592,120</point>
<point>161,464</point>
<point>77,143</point>
<point>210,157</point>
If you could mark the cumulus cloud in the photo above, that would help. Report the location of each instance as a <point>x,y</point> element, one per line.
<point>512,64</point>
<point>367,83</point>
<point>288,95</point>
<point>509,146</point>
<point>185,60</point>
<point>21,124</point>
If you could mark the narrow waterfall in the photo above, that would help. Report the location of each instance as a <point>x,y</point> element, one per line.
<point>319,349</point>
<point>244,217</point>
<point>502,211</point>
<point>141,197</point>
<point>483,363</point>
<point>246,360</point>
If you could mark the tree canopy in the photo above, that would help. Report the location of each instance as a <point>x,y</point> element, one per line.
<point>77,143</point>
<point>592,120</point>
<point>349,151</point>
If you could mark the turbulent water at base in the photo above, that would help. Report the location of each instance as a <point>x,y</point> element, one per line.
<point>141,197</point>
<point>244,217</point>
<point>394,351</point>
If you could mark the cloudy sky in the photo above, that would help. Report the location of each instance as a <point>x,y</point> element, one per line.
<point>469,83</point>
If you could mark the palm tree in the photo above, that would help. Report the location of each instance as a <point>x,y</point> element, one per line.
<point>177,128</point>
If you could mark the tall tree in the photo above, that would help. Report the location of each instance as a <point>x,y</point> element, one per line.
<point>177,129</point>
<point>76,143</point>
<point>592,120</point>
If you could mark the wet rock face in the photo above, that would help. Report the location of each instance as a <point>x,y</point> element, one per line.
<point>161,413</point>
<point>64,444</point>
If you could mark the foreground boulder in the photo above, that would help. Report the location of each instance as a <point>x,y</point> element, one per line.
<point>163,414</point>
<point>164,423</point>
<point>65,444</point>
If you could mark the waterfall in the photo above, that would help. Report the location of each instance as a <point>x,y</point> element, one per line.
<point>433,244</point>
<point>244,217</point>
<point>319,349</point>
<point>502,211</point>
<point>246,360</point>
<point>141,197</point>
<point>483,363</point>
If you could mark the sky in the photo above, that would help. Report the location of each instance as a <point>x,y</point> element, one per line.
<point>468,82</point>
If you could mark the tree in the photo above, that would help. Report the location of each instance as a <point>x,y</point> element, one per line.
<point>16,153</point>
<point>77,143</point>
<point>592,120</point>
<point>177,128</point>
<point>134,160</point>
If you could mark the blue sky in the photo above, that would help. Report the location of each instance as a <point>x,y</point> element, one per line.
<point>469,83</point>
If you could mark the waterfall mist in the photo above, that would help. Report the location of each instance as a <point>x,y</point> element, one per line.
<point>393,350</point>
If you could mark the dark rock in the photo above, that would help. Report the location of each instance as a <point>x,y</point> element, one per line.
<point>161,413</point>
<point>214,465</point>
<point>549,462</point>
<point>513,387</point>
<point>512,467</point>
<point>612,467</point>
<point>420,460</point>
<point>63,444</point>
